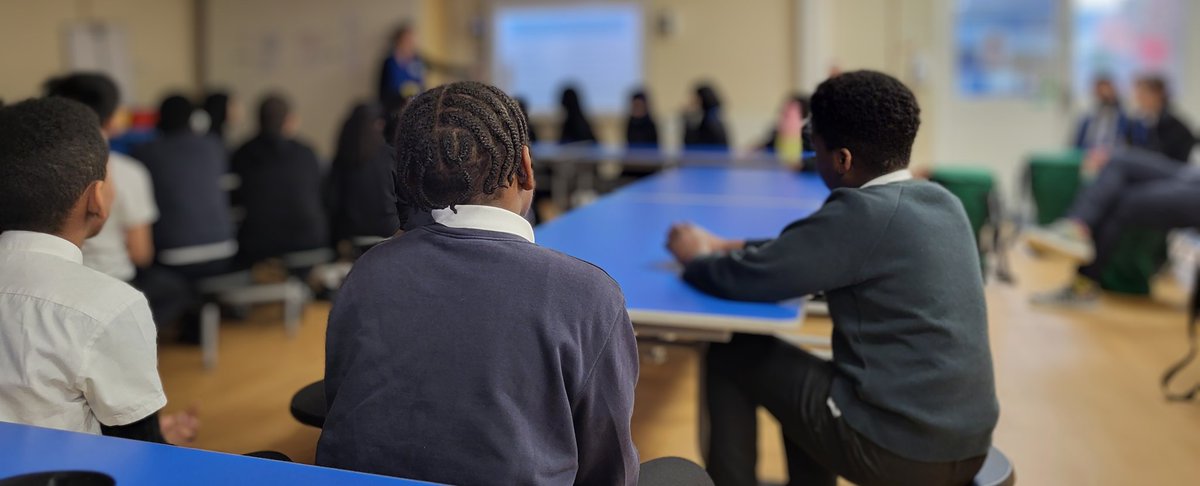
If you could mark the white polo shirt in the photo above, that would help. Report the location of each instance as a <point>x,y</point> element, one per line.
<point>77,347</point>
<point>134,206</point>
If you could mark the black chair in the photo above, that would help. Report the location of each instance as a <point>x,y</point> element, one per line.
<point>60,478</point>
<point>996,471</point>
<point>1193,335</point>
<point>672,471</point>
<point>308,405</point>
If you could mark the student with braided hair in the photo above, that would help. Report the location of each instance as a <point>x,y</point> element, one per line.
<point>463,353</point>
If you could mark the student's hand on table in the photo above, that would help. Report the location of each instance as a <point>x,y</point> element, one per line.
<point>687,241</point>
<point>180,427</point>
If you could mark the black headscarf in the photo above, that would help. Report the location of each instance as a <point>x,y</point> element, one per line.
<point>641,131</point>
<point>710,131</point>
<point>216,104</point>
<point>575,125</point>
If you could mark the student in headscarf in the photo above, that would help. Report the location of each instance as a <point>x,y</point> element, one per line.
<point>280,188</point>
<point>194,232</point>
<point>640,129</point>
<point>704,128</point>
<point>575,125</point>
<point>361,199</point>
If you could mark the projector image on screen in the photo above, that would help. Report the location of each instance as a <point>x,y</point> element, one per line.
<point>537,51</point>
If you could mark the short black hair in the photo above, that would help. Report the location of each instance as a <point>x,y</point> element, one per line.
<point>175,114</point>
<point>870,113</point>
<point>96,91</point>
<point>273,112</point>
<point>458,144</point>
<point>51,149</point>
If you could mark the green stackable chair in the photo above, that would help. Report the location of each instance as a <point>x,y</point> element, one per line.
<point>1054,181</point>
<point>975,187</point>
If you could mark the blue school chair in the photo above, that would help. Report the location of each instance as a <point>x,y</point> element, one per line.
<point>996,471</point>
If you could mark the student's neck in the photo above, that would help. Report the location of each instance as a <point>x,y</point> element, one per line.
<point>75,237</point>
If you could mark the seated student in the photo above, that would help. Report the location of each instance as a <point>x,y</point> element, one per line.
<point>124,248</point>
<point>1106,125</point>
<point>1136,189</point>
<point>490,360</point>
<point>78,346</point>
<point>280,188</point>
<point>194,231</point>
<point>361,196</point>
<point>703,124</point>
<point>575,125</point>
<point>1159,128</point>
<point>223,111</point>
<point>640,129</point>
<point>909,397</point>
<point>790,137</point>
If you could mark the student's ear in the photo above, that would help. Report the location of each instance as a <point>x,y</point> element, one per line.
<point>98,198</point>
<point>843,161</point>
<point>527,183</point>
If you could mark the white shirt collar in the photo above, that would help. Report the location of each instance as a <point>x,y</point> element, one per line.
<point>487,218</point>
<point>897,176</point>
<point>41,243</point>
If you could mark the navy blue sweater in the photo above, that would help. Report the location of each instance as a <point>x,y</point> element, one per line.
<point>475,357</point>
<point>186,170</point>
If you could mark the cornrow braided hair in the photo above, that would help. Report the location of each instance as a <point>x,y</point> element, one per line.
<point>457,144</point>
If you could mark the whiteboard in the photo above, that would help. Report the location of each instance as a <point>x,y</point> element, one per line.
<point>538,50</point>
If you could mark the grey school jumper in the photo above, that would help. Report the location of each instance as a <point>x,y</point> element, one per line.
<point>910,342</point>
<point>465,356</point>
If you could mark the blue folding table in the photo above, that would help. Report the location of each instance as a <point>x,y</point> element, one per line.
<point>625,234</point>
<point>25,449</point>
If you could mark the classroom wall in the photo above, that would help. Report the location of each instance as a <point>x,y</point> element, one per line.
<point>159,34</point>
<point>324,56</point>
<point>748,53</point>
<point>913,40</point>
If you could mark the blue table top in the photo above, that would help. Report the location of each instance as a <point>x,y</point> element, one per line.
<point>625,234</point>
<point>28,449</point>
<point>650,156</point>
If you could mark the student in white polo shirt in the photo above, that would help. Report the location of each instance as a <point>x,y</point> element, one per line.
<point>77,347</point>
<point>124,248</point>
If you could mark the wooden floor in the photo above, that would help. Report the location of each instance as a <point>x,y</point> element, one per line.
<point>1078,390</point>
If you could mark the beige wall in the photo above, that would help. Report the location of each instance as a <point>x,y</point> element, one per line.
<point>324,56</point>
<point>747,52</point>
<point>159,35</point>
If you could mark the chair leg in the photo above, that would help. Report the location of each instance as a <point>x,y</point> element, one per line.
<point>295,296</point>
<point>210,325</point>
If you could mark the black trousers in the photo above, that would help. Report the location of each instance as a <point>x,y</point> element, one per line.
<point>1136,189</point>
<point>752,371</point>
<point>169,294</point>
